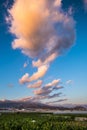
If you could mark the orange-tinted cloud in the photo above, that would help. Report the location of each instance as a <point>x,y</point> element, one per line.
<point>48,88</point>
<point>43,31</point>
<point>41,28</point>
<point>37,75</point>
<point>36,84</point>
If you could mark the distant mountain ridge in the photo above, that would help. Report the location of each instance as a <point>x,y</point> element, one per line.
<point>35,105</point>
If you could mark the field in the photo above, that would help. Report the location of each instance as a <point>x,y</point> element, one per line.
<point>42,121</point>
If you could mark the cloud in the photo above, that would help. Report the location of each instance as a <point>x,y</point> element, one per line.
<point>29,98</point>
<point>60,100</point>
<point>54,83</point>
<point>37,75</point>
<point>48,88</point>
<point>54,95</point>
<point>24,79</point>
<point>45,30</point>
<point>69,82</point>
<point>41,97</point>
<point>46,60</point>
<point>42,91</point>
<point>38,98</point>
<point>58,87</point>
<point>40,73</point>
<point>36,84</point>
<point>25,65</point>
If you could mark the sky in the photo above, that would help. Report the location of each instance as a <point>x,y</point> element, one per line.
<point>43,51</point>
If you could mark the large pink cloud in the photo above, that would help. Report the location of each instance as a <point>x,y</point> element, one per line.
<point>41,28</point>
<point>43,31</point>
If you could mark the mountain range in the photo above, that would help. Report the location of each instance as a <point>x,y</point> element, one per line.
<point>6,104</point>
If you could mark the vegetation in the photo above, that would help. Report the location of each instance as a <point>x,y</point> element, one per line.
<point>41,121</point>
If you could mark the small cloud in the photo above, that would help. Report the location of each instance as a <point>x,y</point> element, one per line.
<point>54,83</point>
<point>25,65</point>
<point>69,82</point>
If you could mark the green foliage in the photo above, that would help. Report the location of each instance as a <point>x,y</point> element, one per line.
<point>40,121</point>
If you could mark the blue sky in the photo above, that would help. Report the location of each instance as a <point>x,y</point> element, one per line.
<point>70,66</point>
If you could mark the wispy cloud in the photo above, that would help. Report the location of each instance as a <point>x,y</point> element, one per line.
<point>54,95</point>
<point>25,99</point>
<point>48,88</point>
<point>25,65</point>
<point>36,84</point>
<point>58,87</point>
<point>24,79</point>
<point>46,60</point>
<point>69,82</point>
<point>42,91</point>
<point>60,100</point>
<point>37,75</point>
<point>54,83</point>
<point>46,96</point>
